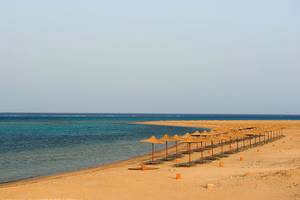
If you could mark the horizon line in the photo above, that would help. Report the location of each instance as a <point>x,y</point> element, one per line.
<point>144,113</point>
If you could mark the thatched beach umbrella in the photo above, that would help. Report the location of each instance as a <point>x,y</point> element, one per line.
<point>153,140</point>
<point>206,134</point>
<point>186,136</point>
<point>201,140</point>
<point>211,139</point>
<point>250,135</point>
<point>222,138</point>
<point>166,138</point>
<point>189,141</point>
<point>238,135</point>
<point>198,134</point>
<point>230,137</point>
<point>242,136</point>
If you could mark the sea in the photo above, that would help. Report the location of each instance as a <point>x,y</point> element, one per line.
<point>40,144</point>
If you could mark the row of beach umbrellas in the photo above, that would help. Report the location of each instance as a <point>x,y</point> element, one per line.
<point>218,135</point>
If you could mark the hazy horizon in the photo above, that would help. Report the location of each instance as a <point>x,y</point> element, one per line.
<point>148,113</point>
<point>150,57</point>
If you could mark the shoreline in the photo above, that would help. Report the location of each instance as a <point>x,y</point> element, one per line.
<point>70,173</point>
<point>98,167</point>
<point>273,160</point>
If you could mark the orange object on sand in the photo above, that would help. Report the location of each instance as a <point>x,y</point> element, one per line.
<point>178,176</point>
<point>241,158</point>
<point>143,167</point>
<point>221,164</point>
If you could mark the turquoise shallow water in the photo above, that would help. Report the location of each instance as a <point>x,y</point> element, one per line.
<point>42,144</point>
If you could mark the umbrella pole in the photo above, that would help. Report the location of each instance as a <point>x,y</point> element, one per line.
<point>237,144</point>
<point>189,145</point>
<point>152,157</point>
<point>250,141</point>
<point>222,146</point>
<point>201,151</point>
<point>166,150</point>
<point>212,148</point>
<point>271,135</point>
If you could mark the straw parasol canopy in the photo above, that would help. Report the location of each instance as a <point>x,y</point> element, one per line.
<point>211,133</point>
<point>166,138</point>
<point>153,140</point>
<point>187,135</point>
<point>197,133</point>
<point>176,137</point>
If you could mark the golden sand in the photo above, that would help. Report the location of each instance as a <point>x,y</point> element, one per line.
<point>271,171</point>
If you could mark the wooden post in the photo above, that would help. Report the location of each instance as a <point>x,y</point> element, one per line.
<point>222,146</point>
<point>166,150</point>
<point>152,158</point>
<point>212,148</point>
<point>201,152</point>
<point>189,144</point>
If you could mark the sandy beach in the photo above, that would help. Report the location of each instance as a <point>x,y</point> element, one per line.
<point>271,171</point>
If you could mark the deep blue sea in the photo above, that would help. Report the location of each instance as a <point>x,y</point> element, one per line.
<point>42,144</point>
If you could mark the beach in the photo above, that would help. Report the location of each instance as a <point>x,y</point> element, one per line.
<point>271,171</point>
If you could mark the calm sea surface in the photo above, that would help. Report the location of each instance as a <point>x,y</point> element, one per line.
<point>42,144</point>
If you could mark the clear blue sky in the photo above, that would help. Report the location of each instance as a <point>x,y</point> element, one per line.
<point>169,56</point>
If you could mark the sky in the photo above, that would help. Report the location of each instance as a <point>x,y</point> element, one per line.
<point>156,56</point>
